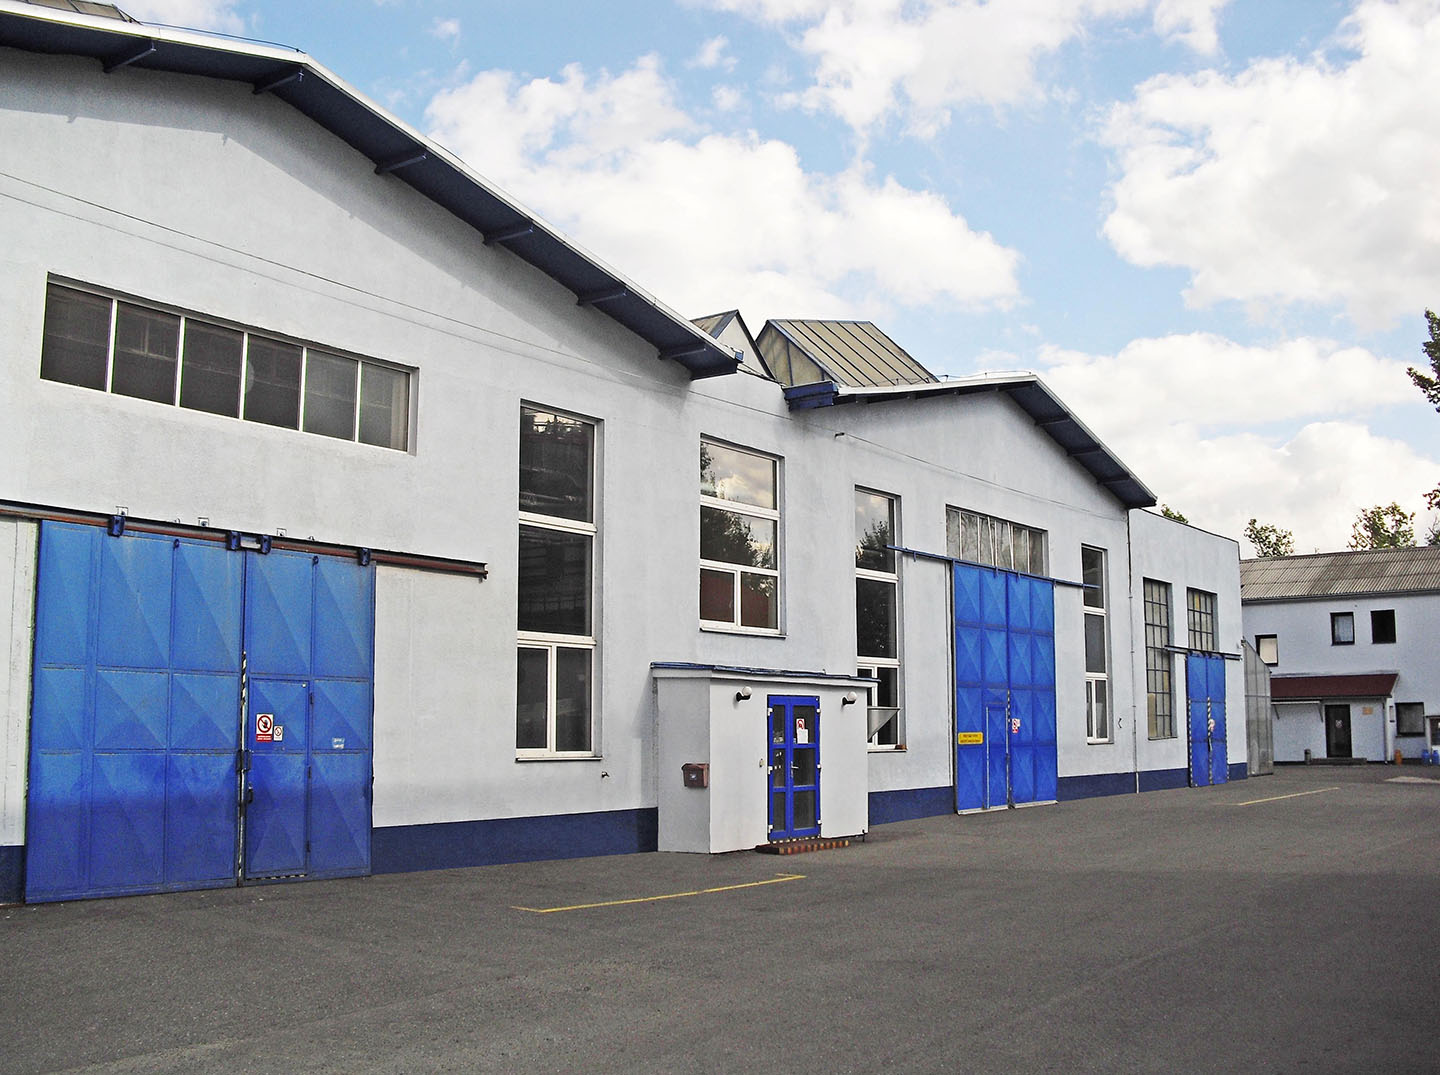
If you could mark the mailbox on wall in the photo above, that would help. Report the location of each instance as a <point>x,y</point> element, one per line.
<point>696,774</point>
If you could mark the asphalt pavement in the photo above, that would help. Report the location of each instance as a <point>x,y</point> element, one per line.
<point>1284,923</point>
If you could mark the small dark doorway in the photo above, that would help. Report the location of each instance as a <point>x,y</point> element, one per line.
<point>1337,731</point>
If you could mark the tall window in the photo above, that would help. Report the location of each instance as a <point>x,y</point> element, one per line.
<point>1200,611</point>
<point>982,539</point>
<point>1097,645</point>
<point>132,350</point>
<point>877,605</point>
<point>555,582</point>
<point>739,539</point>
<point>1159,661</point>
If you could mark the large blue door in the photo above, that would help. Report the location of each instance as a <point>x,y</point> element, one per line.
<point>794,727</point>
<point>1005,750</point>
<point>136,777</point>
<point>1205,704</point>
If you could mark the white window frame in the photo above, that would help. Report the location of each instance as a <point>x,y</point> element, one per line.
<point>1099,721</point>
<point>867,665</point>
<point>552,643</point>
<point>736,570</point>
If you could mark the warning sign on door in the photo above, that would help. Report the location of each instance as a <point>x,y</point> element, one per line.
<point>265,727</point>
<point>969,738</point>
<point>802,734</point>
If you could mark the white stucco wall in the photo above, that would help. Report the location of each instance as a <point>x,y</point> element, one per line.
<point>17,627</point>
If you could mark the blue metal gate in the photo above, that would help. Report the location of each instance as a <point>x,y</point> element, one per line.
<point>1205,703</point>
<point>137,776</point>
<point>1005,751</point>
<point>794,728</point>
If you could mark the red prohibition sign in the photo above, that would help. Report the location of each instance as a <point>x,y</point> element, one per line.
<point>264,726</point>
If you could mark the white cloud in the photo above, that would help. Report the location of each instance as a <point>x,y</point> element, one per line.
<point>217,15</point>
<point>447,30</point>
<point>712,55</point>
<point>727,98</point>
<point>719,220</point>
<point>920,58</point>
<point>1175,410</point>
<point>1294,181</point>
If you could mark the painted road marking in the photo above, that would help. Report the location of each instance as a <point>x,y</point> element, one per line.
<point>778,879</point>
<point>1292,795</point>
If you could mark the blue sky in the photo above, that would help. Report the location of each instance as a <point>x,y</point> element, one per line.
<point>1211,225</point>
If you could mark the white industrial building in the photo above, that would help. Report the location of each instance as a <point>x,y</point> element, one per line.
<point>1350,638</point>
<point>355,521</point>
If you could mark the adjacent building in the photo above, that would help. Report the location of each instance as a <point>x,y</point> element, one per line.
<point>353,520</point>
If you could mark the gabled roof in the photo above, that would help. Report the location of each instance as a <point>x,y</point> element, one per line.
<point>394,148</point>
<point>1341,574</point>
<point>728,329</point>
<point>1029,393</point>
<point>853,353</point>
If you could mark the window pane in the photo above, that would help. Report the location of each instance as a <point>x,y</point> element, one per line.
<point>1020,544</point>
<point>1037,552</point>
<point>330,387</point>
<point>717,595</point>
<point>1382,625</point>
<point>1409,718</point>
<point>572,699</point>
<point>210,371</point>
<point>1095,643</point>
<point>758,604</point>
<point>554,582</point>
<point>384,406</point>
<point>1342,628</point>
<point>272,383</point>
<point>1000,557</point>
<point>970,537</point>
<point>1097,712</point>
<point>1092,566</point>
<point>147,344</point>
<point>532,692</point>
<point>77,338</point>
<point>1268,647</point>
<point>874,530</point>
<point>875,618</point>
<point>728,537</point>
<point>730,474</point>
<point>556,465</point>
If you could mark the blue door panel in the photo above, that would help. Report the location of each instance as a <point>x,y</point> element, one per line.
<point>340,813</point>
<point>278,611</point>
<point>202,712</point>
<point>341,718</point>
<point>1205,704</point>
<point>344,618</point>
<point>134,603</point>
<point>58,708</point>
<point>200,820</point>
<point>794,787</point>
<point>63,619</point>
<point>131,709</point>
<point>275,817</point>
<point>208,594</point>
<point>57,826</point>
<point>127,821</point>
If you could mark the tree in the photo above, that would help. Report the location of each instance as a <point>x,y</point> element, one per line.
<point>1432,536</point>
<point>1383,527</point>
<point>1170,513</point>
<point>1269,540</point>
<point>1428,385</point>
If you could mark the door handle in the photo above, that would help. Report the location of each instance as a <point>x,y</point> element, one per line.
<point>249,796</point>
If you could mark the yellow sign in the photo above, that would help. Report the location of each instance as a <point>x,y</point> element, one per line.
<point>968,738</point>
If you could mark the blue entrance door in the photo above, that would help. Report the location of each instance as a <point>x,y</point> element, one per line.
<point>794,727</point>
<point>1005,751</point>
<point>1205,703</point>
<point>137,773</point>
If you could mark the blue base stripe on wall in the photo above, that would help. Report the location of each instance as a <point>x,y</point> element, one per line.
<point>404,848</point>
<point>12,874</point>
<point>906,805</point>
<point>1164,779</point>
<point>1087,787</point>
<point>1240,771</point>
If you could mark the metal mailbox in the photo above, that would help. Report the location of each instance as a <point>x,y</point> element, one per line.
<point>696,774</point>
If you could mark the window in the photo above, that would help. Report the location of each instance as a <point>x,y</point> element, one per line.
<point>1409,718</point>
<point>1159,661</point>
<point>1097,645</point>
<point>1200,609</point>
<point>1342,628</point>
<point>981,539</point>
<point>1268,647</point>
<point>1382,626</point>
<point>555,584</point>
<point>877,606</point>
<point>130,349</point>
<point>739,534</point>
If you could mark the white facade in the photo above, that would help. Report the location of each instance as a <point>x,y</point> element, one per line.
<point>195,196</point>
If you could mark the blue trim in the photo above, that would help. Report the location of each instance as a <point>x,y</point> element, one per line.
<point>12,873</point>
<point>1239,770</point>
<point>1164,779</point>
<point>1088,787</point>
<point>406,848</point>
<point>910,803</point>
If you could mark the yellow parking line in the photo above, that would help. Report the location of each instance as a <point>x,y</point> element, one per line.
<point>1277,798</point>
<point>779,879</point>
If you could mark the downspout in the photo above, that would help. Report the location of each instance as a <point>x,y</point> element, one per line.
<point>1130,608</point>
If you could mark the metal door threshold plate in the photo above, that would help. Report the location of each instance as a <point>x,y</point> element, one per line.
<point>796,847</point>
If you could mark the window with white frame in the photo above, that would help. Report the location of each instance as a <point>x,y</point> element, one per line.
<point>1200,614</point>
<point>555,580</point>
<point>1159,661</point>
<point>739,539</point>
<point>131,349</point>
<point>877,612</point>
<point>1097,645</point>
<point>983,539</point>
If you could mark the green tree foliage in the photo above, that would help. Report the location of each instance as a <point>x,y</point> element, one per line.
<point>1430,385</point>
<point>1383,527</point>
<point>1269,540</point>
<point>1170,513</point>
<point>1432,536</point>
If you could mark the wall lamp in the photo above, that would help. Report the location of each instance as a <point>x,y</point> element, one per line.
<point>849,698</point>
<point>743,694</point>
